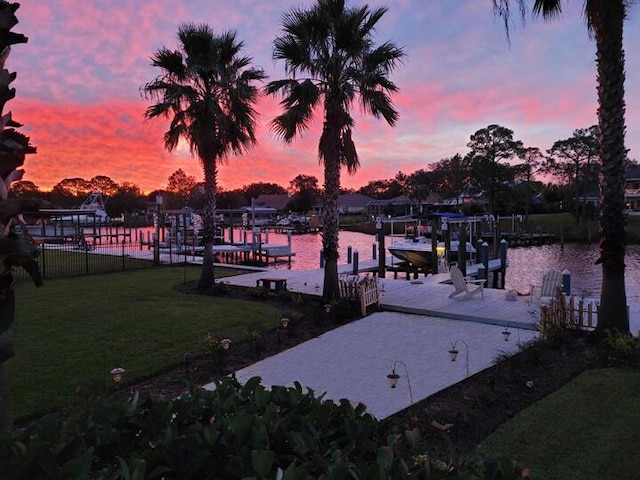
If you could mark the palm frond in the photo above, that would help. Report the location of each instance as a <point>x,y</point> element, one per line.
<point>349,157</point>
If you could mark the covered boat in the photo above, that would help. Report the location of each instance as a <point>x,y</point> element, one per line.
<point>417,250</point>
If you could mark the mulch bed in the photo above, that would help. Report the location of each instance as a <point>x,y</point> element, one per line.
<point>463,414</point>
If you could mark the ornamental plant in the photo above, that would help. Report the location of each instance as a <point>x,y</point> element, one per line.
<point>234,432</point>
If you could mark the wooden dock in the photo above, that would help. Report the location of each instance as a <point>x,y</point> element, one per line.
<point>425,296</point>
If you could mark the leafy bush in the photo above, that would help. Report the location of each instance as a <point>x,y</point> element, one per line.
<point>345,309</point>
<point>233,432</point>
<point>624,344</point>
<point>258,292</point>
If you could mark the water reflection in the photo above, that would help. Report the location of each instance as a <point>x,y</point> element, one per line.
<point>526,265</point>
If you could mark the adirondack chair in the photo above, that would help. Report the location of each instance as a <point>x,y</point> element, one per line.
<point>551,282</point>
<point>465,287</point>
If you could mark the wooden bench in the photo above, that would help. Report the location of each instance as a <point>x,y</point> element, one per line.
<point>279,284</point>
<point>362,289</point>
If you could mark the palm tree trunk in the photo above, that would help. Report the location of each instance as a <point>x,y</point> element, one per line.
<point>207,275</point>
<point>331,214</point>
<point>608,26</point>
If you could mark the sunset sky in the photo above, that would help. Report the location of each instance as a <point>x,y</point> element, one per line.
<point>79,79</point>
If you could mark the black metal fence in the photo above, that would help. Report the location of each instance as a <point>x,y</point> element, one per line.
<point>79,258</point>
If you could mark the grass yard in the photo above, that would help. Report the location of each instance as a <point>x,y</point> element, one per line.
<point>71,332</point>
<point>588,430</point>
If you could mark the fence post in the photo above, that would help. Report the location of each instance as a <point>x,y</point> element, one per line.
<point>44,262</point>
<point>86,259</point>
<point>479,251</point>
<point>123,266</point>
<point>503,261</point>
<point>482,272</point>
<point>566,282</point>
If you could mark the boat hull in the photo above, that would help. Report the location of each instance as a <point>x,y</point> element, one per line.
<point>418,252</point>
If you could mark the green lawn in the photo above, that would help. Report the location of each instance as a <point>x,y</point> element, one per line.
<point>589,429</point>
<point>565,227</point>
<point>71,332</point>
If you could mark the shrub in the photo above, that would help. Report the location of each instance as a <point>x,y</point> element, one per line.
<point>624,344</point>
<point>233,432</point>
<point>258,292</point>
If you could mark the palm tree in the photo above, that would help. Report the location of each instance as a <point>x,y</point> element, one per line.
<point>332,62</point>
<point>605,20</point>
<point>208,91</point>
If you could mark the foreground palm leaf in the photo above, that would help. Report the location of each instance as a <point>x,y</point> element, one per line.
<point>208,91</point>
<point>331,61</point>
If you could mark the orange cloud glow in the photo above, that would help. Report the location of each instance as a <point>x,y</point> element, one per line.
<point>80,74</point>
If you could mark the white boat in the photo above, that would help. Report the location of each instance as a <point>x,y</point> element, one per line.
<point>418,251</point>
<point>67,222</point>
<point>91,212</point>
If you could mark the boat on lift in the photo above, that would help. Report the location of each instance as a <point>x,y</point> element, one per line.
<point>418,249</point>
<point>90,212</point>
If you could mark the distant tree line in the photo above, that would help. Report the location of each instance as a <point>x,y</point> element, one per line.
<point>509,177</point>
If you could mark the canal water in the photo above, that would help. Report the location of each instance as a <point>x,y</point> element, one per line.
<point>526,264</point>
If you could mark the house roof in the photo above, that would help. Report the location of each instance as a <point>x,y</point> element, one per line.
<point>432,199</point>
<point>353,200</point>
<point>277,201</point>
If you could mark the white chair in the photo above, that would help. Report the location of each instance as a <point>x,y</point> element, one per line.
<point>551,283</point>
<point>465,287</point>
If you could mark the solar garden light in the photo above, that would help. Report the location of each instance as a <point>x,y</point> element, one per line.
<point>453,352</point>
<point>284,322</point>
<point>117,374</point>
<point>506,333</point>
<point>225,343</point>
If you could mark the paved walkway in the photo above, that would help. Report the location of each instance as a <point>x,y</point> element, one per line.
<point>353,361</point>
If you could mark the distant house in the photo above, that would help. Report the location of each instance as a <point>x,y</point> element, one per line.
<point>403,205</point>
<point>277,201</point>
<point>632,189</point>
<point>631,192</point>
<point>353,203</point>
<point>395,207</point>
<point>349,203</point>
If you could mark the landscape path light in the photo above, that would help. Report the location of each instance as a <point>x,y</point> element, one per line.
<point>393,378</point>
<point>506,333</point>
<point>453,352</point>
<point>225,343</point>
<point>117,374</point>
<point>284,322</point>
